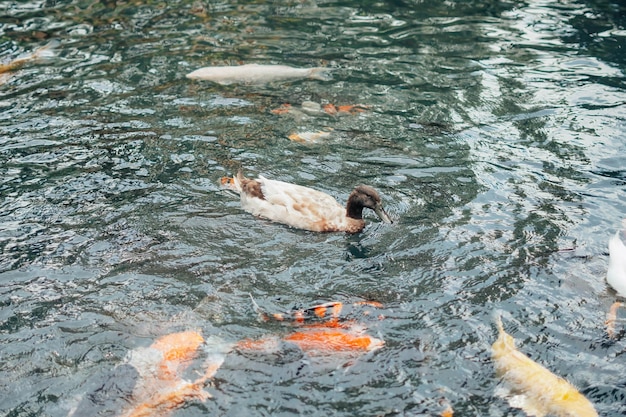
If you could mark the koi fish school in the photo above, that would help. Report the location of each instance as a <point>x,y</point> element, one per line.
<point>160,386</point>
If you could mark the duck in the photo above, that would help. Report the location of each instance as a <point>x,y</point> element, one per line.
<point>303,207</point>
<point>616,272</point>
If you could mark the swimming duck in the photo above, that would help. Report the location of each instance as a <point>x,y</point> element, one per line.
<point>303,207</point>
<point>616,273</point>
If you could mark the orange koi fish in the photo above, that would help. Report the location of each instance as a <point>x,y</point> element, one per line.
<point>283,109</point>
<point>345,109</point>
<point>316,340</point>
<point>611,317</point>
<point>539,391</point>
<point>319,341</point>
<point>326,337</point>
<point>46,50</point>
<point>177,350</point>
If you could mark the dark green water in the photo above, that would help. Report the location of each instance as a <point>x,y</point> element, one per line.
<point>496,135</point>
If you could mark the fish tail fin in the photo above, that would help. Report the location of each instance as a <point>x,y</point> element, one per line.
<point>322,74</point>
<point>48,50</point>
<point>498,321</point>
<point>215,345</point>
<point>505,341</point>
<point>216,350</point>
<point>263,316</point>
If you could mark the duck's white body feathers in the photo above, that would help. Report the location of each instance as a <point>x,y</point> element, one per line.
<point>295,205</point>
<point>616,273</point>
<point>303,207</point>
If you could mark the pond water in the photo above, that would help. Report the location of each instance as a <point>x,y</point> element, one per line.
<point>495,133</point>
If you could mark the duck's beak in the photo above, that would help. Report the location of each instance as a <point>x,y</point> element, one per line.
<point>380,211</point>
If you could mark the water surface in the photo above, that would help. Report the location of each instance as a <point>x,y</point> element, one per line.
<point>495,135</point>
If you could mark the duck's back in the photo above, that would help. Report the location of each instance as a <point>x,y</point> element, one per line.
<point>296,206</point>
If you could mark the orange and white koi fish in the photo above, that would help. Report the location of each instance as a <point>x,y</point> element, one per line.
<point>329,336</point>
<point>44,51</point>
<point>345,109</point>
<point>538,391</point>
<point>161,388</point>
<point>331,310</point>
<point>157,386</point>
<point>310,136</point>
<point>312,108</point>
<point>320,340</point>
<point>257,74</point>
<point>307,108</point>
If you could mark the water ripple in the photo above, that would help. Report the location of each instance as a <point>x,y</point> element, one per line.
<point>493,131</point>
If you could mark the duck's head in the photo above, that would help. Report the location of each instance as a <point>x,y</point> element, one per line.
<point>365,196</point>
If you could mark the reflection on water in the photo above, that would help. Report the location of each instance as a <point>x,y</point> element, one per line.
<point>493,131</point>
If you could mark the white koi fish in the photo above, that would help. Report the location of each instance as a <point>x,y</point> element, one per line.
<point>538,391</point>
<point>257,74</point>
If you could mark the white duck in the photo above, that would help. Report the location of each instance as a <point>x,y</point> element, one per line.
<point>616,273</point>
<point>303,207</point>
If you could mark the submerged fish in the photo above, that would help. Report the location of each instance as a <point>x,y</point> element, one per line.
<point>539,391</point>
<point>344,109</point>
<point>162,389</point>
<point>257,74</point>
<point>151,382</point>
<point>320,340</point>
<point>328,311</point>
<point>329,336</point>
<point>313,109</point>
<point>309,136</point>
<point>611,317</point>
<point>43,52</point>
